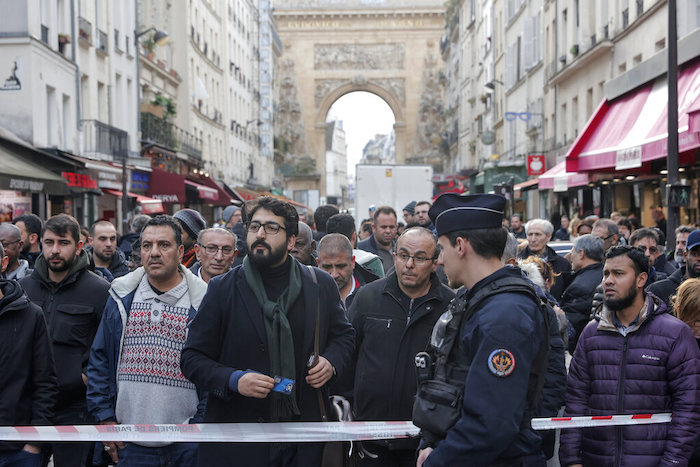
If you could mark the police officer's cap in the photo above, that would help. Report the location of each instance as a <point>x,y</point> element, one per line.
<point>452,212</point>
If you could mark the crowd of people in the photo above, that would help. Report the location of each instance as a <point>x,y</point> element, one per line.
<point>462,321</point>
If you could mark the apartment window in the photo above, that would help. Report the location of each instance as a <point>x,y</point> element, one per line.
<point>589,102</point>
<point>640,8</point>
<point>574,115</point>
<point>51,117</point>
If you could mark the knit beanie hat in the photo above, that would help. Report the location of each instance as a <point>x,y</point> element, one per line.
<point>229,212</point>
<point>191,221</point>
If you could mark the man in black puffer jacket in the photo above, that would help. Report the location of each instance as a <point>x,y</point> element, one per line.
<point>28,386</point>
<point>73,299</point>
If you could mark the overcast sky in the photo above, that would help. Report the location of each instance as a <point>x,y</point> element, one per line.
<point>364,115</point>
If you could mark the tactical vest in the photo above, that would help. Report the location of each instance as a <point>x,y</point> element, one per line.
<point>451,364</point>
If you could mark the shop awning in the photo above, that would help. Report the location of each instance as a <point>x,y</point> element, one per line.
<point>246,194</point>
<point>526,185</point>
<point>205,193</point>
<point>631,131</point>
<point>19,174</point>
<point>558,179</point>
<point>148,205</point>
<point>166,186</point>
<point>225,199</point>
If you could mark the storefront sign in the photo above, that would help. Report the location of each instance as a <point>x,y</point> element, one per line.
<point>166,198</point>
<point>109,180</point>
<point>79,180</point>
<point>628,158</point>
<point>561,183</point>
<point>535,164</point>
<point>26,185</point>
<point>139,181</point>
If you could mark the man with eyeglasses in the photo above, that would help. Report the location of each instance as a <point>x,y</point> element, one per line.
<point>215,250</point>
<point>647,240</point>
<point>665,289</point>
<point>393,318</point>
<point>11,239</point>
<point>606,230</point>
<point>252,344</point>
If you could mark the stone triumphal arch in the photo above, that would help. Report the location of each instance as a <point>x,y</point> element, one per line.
<point>333,47</point>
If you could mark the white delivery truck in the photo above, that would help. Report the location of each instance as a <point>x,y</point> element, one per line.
<point>390,185</point>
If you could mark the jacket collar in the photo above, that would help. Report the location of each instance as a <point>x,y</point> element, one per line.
<point>123,286</point>
<point>391,287</point>
<point>652,306</point>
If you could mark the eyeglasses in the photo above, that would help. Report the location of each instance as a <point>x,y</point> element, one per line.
<point>652,249</point>
<point>271,228</point>
<point>6,244</point>
<point>418,260</point>
<point>212,250</point>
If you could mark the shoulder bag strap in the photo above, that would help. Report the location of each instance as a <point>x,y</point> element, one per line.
<point>319,393</point>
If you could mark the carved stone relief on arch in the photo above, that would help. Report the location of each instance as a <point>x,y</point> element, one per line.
<point>359,56</point>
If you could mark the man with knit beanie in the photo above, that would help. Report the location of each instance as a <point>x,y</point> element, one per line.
<point>192,223</point>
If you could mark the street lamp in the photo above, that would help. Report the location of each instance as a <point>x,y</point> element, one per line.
<point>491,85</point>
<point>159,38</point>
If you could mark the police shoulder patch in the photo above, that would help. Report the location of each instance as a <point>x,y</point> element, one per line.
<point>501,362</point>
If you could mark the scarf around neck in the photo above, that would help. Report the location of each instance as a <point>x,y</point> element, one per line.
<point>279,334</point>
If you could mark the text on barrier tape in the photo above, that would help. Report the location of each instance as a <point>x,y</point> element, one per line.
<point>599,420</point>
<point>297,432</point>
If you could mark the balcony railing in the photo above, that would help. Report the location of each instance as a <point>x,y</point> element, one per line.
<point>159,131</point>
<point>104,141</point>
<point>102,41</point>
<point>85,30</point>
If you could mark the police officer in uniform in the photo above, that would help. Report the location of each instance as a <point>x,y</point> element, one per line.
<point>485,366</point>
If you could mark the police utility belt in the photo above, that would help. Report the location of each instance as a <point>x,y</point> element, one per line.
<point>442,370</point>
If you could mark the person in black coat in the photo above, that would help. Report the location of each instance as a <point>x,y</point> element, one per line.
<point>232,352</point>
<point>665,289</point>
<point>394,318</point>
<point>72,298</point>
<point>28,387</point>
<point>539,232</point>
<point>586,257</point>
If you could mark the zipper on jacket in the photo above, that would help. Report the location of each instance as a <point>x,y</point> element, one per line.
<point>620,400</point>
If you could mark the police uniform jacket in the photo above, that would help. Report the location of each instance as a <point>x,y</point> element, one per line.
<point>388,338</point>
<point>228,334</point>
<point>501,340</point>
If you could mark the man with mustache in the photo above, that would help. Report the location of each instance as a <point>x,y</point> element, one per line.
<point>633,358</point>
<point>252,345</point>
<point>72,298</point>
<point>104,251</point>
<point>134,373</point>
<point>216,251</point>
<point>393,318</point>
<point>381,242</point>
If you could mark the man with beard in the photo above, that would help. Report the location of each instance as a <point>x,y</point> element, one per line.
<point>30,226</point>
<point>216,250</point>
<point>305,246</point>
<point>104,251</point>
<point>381,242</point>
<point>634,358</point>
<point>73,299</point>
<point>335,256</point>
<point>677,257</point>
<point>254,336</point>
<point>422,218</point>
<point>147,313</point>
<point>191,223</point>
<point>666,288</point>
<point>393,318</point>
<point>11,239</point>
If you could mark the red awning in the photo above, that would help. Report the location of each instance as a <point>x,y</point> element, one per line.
<point>631,131</point>
<point>148,205</point>
<point>247,194</point>
<point>558,179</point>
<point>223,199</point>
<point>167,187</point>
<point>204,192</point>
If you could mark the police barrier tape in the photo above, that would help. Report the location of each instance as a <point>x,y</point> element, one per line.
<point>297,432</point>
<point>599,421</point>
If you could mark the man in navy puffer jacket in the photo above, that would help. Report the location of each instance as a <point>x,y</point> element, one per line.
<point>634,358</point>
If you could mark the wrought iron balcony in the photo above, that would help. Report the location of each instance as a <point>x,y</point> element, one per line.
<point>159,131</point>
<point>105,142</point>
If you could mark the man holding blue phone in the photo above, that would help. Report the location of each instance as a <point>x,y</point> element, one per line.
<point>253,344</point>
